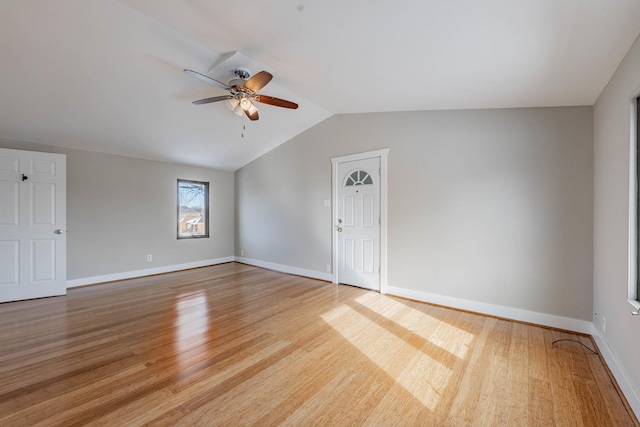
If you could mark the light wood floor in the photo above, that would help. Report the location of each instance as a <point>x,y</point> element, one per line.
<point>237,345</point>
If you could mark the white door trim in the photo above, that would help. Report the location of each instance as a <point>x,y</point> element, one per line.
<point>382,154</point>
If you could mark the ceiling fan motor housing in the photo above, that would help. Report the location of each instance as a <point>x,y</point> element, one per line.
<point>237,83</point>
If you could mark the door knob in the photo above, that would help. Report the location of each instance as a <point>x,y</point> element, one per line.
<point>339,229</point>
<point>58,231</point>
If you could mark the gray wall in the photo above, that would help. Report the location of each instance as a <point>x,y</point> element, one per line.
<point>494,206</point>
<point>612,124</point>
<point>119,209</point>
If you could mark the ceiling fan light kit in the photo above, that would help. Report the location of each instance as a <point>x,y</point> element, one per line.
<point>243,91</point>
<point>234,106</point>
<point>245,104</point>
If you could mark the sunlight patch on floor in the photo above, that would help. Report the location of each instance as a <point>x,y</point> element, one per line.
<point>417,372</point>
<point>444,335</point>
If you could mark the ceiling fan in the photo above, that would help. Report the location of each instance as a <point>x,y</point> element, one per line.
<point>243,92</point>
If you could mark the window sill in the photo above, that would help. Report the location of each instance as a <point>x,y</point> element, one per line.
<point>636,306</point>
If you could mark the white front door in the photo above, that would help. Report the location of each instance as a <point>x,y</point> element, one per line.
<point>32,225</point>
<point>358,223</point>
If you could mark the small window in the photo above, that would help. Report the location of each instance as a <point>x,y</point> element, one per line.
<point>193,209</point>
<point>358,177</point>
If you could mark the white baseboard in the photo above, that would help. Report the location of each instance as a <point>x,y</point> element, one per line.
<point>286,269</point>
<point>146,272</point>
<point>537,318</point>
<point>626,385</point>
<point>544,319</point>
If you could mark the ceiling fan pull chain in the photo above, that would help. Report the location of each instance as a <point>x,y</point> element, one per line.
<point>243,128</point>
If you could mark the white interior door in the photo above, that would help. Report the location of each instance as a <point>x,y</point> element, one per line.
<point>358,223</point>
<point>32,225</point>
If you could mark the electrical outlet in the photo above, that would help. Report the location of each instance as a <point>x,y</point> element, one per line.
<point>149,258</point>
<point>595,315</point>
<point>604,324</point>
<point>241,253</point>
<point>327,268</point>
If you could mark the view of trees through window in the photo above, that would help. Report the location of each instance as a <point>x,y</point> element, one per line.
<point>193,209</point>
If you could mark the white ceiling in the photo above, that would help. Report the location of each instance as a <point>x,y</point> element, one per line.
<point>106,75</point>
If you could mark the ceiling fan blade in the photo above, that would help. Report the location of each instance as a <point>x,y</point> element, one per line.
<point>276,101</point>
<point>206,79</point>
<point>252,116</point>
<point>213,99</point>
<point>258,81</point>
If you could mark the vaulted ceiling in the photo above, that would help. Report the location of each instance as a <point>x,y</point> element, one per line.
<point>106,75</point>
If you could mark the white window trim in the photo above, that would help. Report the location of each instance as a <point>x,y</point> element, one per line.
<point>632,274</point>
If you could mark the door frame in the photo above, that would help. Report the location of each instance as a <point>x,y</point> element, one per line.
<point>335,161</point>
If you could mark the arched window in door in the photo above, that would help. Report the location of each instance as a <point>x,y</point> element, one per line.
<point>358,177</point>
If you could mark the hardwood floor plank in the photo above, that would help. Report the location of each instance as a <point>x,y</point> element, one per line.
<point>238,345</point>
<point>540,403</point>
